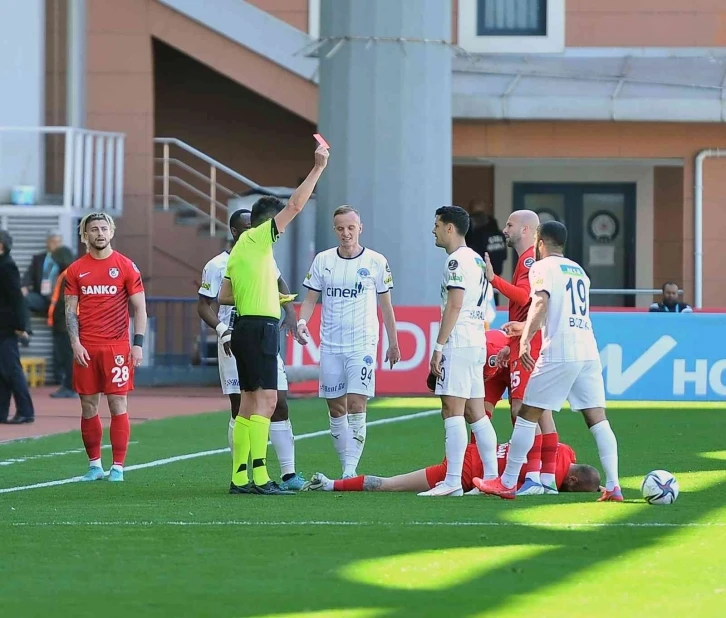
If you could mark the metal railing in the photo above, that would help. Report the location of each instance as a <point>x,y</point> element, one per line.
<point>92,165</point>
<point>629,292</point>
<point>192,179</point>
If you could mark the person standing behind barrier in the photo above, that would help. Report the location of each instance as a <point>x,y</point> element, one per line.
<point>12,327</point>
<point>62,349</point>
<point>670,302</point>
<point>251,285</point>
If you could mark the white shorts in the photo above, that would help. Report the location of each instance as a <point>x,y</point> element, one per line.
<point>347,372</point>
<point>228,372</point>
<point>463,373</point>
<point>579,382</point>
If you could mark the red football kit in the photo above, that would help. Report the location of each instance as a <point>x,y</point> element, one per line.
<point>103,288</point>
<point>518,292</point>
<point>473,467</point>
<point>496,380</point>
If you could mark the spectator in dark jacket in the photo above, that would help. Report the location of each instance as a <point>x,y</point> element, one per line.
<point>670,302</point>
<point>62,350</point>
<point>39,279</point>
<point>12,328</point>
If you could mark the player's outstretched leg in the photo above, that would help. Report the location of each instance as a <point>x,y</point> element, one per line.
<point>92,434</point>
<point>607,448</point>
<point>120,433</point>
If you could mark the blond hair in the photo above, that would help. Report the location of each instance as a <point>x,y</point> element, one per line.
<point>94,216</point>
<point>344,210</point>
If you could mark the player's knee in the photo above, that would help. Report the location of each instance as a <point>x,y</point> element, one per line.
<point>356,404</point>
<point>282,411</point>
<point>337,407</point>
<point>117,404</point>
<point>593,416</point>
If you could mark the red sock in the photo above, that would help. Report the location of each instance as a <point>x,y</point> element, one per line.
<point>92,434</point>
<point>534,457</point>
<point>549,452</point>
<point>354,484</point>
<point>120,432</point>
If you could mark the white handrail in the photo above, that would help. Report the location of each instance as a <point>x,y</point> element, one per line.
<point>93,167</point>
<point>629,292</point>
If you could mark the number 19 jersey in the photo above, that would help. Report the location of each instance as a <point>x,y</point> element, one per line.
<point>567,333</point>
<point>465,270</point>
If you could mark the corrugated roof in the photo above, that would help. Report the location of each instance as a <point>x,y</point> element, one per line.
<point>541,87</point>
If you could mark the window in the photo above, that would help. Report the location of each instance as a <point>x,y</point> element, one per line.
<point>511,18</point>
<point>512,26</point>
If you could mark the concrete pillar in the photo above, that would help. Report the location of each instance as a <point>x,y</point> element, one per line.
<point>22,102</point>
<point>385,109</point>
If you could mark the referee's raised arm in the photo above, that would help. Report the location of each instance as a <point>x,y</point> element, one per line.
<point>302,194</point>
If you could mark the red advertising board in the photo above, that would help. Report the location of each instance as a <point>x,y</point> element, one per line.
<point>417,330</point>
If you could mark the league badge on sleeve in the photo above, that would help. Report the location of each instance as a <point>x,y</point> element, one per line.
<point>136,268</point>
<point>453,264</point>
<point>529,262</point>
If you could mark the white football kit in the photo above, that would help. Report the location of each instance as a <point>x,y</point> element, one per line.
<point>464,353</point>
<point>212,277</point>
<point>349,289</point>
<point>568,367</point>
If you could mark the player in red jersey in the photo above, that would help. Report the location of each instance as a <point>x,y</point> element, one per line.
<point>99,287</point>
<point>569,475</point>
<point>519,234</point>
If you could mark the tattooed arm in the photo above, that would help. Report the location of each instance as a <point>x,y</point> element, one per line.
<point>372,483</point>
<point>80,354</point>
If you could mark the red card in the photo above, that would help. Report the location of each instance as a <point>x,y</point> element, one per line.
<point>321,140</point>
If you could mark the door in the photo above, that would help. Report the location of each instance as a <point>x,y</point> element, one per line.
<point>600,220</point>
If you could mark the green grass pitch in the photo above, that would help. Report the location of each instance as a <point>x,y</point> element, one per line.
<point>170,541</point>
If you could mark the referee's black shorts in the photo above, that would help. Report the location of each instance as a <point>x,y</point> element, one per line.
<point>255,345</point>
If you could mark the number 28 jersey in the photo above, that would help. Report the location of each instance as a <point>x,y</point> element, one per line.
<point>465,270</point>
<point>567,333</point>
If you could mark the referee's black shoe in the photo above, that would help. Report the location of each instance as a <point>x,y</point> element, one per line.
<point>241,489</point>
<point>271,489</point>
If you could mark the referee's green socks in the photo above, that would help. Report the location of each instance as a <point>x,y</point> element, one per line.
<point>259,428</point>
<point>240,451</point>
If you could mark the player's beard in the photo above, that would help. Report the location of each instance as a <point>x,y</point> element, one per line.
<point>100,245</point>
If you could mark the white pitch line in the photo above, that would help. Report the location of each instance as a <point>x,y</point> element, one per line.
<point>10,462</point>
<point>454,524</point>
<point>218,451</point>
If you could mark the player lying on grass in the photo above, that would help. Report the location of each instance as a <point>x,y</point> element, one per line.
<point>569,475</point>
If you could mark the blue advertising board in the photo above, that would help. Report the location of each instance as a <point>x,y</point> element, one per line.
<point>660,356</point>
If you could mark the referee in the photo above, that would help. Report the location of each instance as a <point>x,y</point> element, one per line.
<point>250,284</point>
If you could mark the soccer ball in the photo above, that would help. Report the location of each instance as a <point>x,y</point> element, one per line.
<point>659,487</point>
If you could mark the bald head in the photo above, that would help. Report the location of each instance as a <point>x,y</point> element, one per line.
<point>520,230</point>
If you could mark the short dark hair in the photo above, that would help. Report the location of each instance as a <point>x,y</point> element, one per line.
<point>455,215</point>
<point>236,216</point>
<point>265,208</point>
<point>553,233</point>
<point>63,257</point>
<point>6,240</point>
<point>669,283</point>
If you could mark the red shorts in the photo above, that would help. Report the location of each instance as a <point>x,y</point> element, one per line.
<point>518,375</point>
<point>472,468</point>
<point>109,370</point>
<point>495,386</point>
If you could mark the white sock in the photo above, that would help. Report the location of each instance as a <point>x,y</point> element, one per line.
<point>339,433</point>
<point>230,434</point>
<point>607,448</point>
<point>118,467</point>
<point>486,444</point>
<point>284,443</point>
<point>355,442</point>
<point>548,479</point>
<point>534,477</point>
<point>520,444</point>
<point>95,463</point>
<point>456,440</point>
